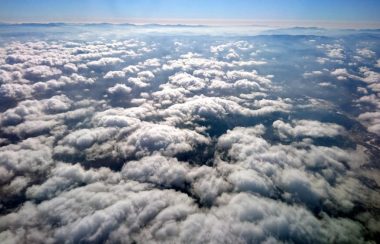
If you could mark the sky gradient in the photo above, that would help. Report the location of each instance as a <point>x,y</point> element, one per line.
<point>196,11</point>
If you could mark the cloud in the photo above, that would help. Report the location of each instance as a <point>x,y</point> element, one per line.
<point>308,128</point>
<point>165,139</point>
<point>187,81</point>
<point>119,90</point>
<point>365,52</point>
<point>79,141</point>
<point>246,218</point>
<point>341,74</point>
<point>41,72</point>
<point>22,164</point>
<point>159,170</point>
<point>65,176</point>
<point>178,139</point>
<point>114,75</point>
<point>15,91</point>
<point>308,174</point>
<point>70,67</point>
<point>312,74</point>
<point>334,51</point>
<point>104,62</point>
<point>199,107</point>
<point>371,120</point>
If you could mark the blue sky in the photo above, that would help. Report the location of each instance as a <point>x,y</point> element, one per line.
<point>119,10</point>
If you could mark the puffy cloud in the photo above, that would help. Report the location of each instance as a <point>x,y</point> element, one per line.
<point>187,81</point>
<point>114,75</point>
<point>365,52</point>
<point>169,95</point>
<point>138,82</point>
<point>142,80</point>
<point>15,91</point>
<point>119,89</point>
<point>35,117</point>
<point>199,107</point>
<point>159,170</point>
<point>65,176</point>
<point>56,104</point>
<point>316,176</point>
<point>334,51</point>
<point>114,118</point>
<point>253,75</point>
<point>369,76</point>
<point>371,120</point>
<point>41,72</point>
<point>165,139</point>
<point>107,215</point>
<point>308,128</point>
<point>70,67</point>
<point>31,128</point>
<point>22,164</point>
<point>104,62</point>
<point>190,62</point>
<point>82,139</point>
<point>246,218</point>
<point>322,60</point>
<point>341,74</point>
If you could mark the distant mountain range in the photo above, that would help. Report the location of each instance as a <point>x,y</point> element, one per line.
<point>58,24</point>
<point>153,25</point>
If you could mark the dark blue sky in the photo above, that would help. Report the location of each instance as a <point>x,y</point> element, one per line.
<point>119,10</point>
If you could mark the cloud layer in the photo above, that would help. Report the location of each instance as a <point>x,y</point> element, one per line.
<point>189,140</point>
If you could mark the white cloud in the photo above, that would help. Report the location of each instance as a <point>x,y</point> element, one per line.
<point>156,169</point>
<point>165,139</point>
<point>70,67</point>
<point>308,128</point>
<point>104,62</point>
<point>15,91</point>
<point>187,81</point>
<point>114,75</point>
<point>365,52</point>
<point>119,89</point>
<point>41,72</point>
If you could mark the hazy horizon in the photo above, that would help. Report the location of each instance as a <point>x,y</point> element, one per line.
<point>339,13</point>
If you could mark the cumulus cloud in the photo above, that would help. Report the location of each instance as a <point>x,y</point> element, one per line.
<point>41,72</point>
<point>293,169</point>
<point>156,169</point>
<point>365,52</point>
<point>333,51</point>
<point>119,89</point>
<point>70,67</point>
<point>161,138</point>
<point>15,91</point>
<point>308,128</point>
<point>200,107</point>
<point>371,120</point>
<point>104,62</point>
<point>114,75</point>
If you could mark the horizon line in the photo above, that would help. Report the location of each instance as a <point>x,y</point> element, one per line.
<point>213,23</point>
